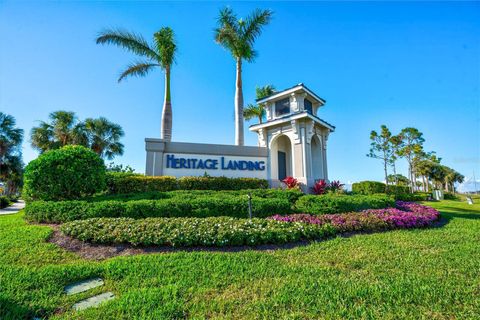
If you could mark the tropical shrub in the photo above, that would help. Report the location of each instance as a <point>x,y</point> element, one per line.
<point>71,172</point>
<point>201,206</point>
<point>4,202</point>
<point>333,203</point>
<point>214,231</point>
<point>291,183</point>
<point>404,215</point>
<point>322,187</point>
<point>417,196</point>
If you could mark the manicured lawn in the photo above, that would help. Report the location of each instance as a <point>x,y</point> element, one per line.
<point>430,273</point>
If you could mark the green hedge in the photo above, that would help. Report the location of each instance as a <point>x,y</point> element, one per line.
<point>417,196</point>
<point>332,203</point>
<point>214,231</point>
<point>374,187</point>
<point>201,206</point>
<point>120,182</point>
<point>4,202</point>
<point>292,195</point>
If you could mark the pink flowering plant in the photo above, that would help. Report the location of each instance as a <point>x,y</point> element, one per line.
<point>322,187</point>
<point>404,215</point>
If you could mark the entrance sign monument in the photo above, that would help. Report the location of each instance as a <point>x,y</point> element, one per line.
<point>291,142</point>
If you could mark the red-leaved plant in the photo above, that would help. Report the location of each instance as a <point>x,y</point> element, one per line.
<point>290,182</point>
<point>320,187</point>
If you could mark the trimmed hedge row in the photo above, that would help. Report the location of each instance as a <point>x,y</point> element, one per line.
<point>292,195</point>
<point>214,231</point>
<point>120,183</point>
<point>373,187</point>
<point>332,203</point>
<point>202,206</point>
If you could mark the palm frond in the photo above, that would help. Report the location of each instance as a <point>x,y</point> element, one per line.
<point>128,40</point>
<point>137,69</point>
<point>265,91</point>
<point>165,43</point>
<point>254,24</point>
<point>252,111</point>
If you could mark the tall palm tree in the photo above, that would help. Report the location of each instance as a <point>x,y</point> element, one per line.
<point>258,110</point>
<point>238,36</point>
<point>63,129</point>
<point>104,137</point>
<point>160,54</point>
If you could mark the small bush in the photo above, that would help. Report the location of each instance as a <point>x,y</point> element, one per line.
<point>219,231</point>
<point>71,172</point>
<point>332,203</point>
<point>201,206</point>
<point>291,183</point>
<point>450,196</point>
<point>4,202</point>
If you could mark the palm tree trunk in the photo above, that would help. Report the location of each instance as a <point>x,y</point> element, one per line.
<point>239,105</point>
<point>166,132</point>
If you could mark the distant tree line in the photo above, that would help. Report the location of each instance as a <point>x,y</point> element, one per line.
<point>424,169</point>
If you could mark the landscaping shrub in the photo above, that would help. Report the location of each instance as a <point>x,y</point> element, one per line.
<point>125,182</point>
<point>221,183</point>
<point>332,203</point>
<point>450,196</point>
<point>291,195</point>
<point>121,182</point>
<point>71,172</point>
<point>417,196</point>
<point>201,206</point>
<point>4,202</point>
<point>291,183</point>
<point>373,187</point>
<point>405,215</point>
<point>214,231</point>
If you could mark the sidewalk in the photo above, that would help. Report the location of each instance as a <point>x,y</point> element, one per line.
<point>14,208</point>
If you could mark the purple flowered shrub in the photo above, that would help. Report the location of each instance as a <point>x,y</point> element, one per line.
<point>404,215</point>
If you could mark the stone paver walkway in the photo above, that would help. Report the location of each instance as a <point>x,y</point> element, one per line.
<point>14,208</point>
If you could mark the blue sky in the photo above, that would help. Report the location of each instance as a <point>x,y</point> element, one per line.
<point>400,64</point>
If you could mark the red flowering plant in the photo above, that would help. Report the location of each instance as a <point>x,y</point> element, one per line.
<point>320,187</point>
<point>291,182</point>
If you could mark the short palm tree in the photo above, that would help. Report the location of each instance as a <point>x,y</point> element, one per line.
<point>104,137</point>
<point>10,136</point>
<point>238,36</point>
<point>63,129</point>
<point>258,110</point>
<point>160,54</point>
<point>11,164</point>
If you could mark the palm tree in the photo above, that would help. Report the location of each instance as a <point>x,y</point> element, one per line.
<point>160,54</point>
<point>258,110</point>
<point>10,136</point>
<point>11,164</point>
<point>238,36</point>
<point>104,137</point>
<point>63,129</point>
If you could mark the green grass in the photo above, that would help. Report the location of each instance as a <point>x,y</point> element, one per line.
<point>429,273</point>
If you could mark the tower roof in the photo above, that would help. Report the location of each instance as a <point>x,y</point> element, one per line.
<point>297,88</point>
